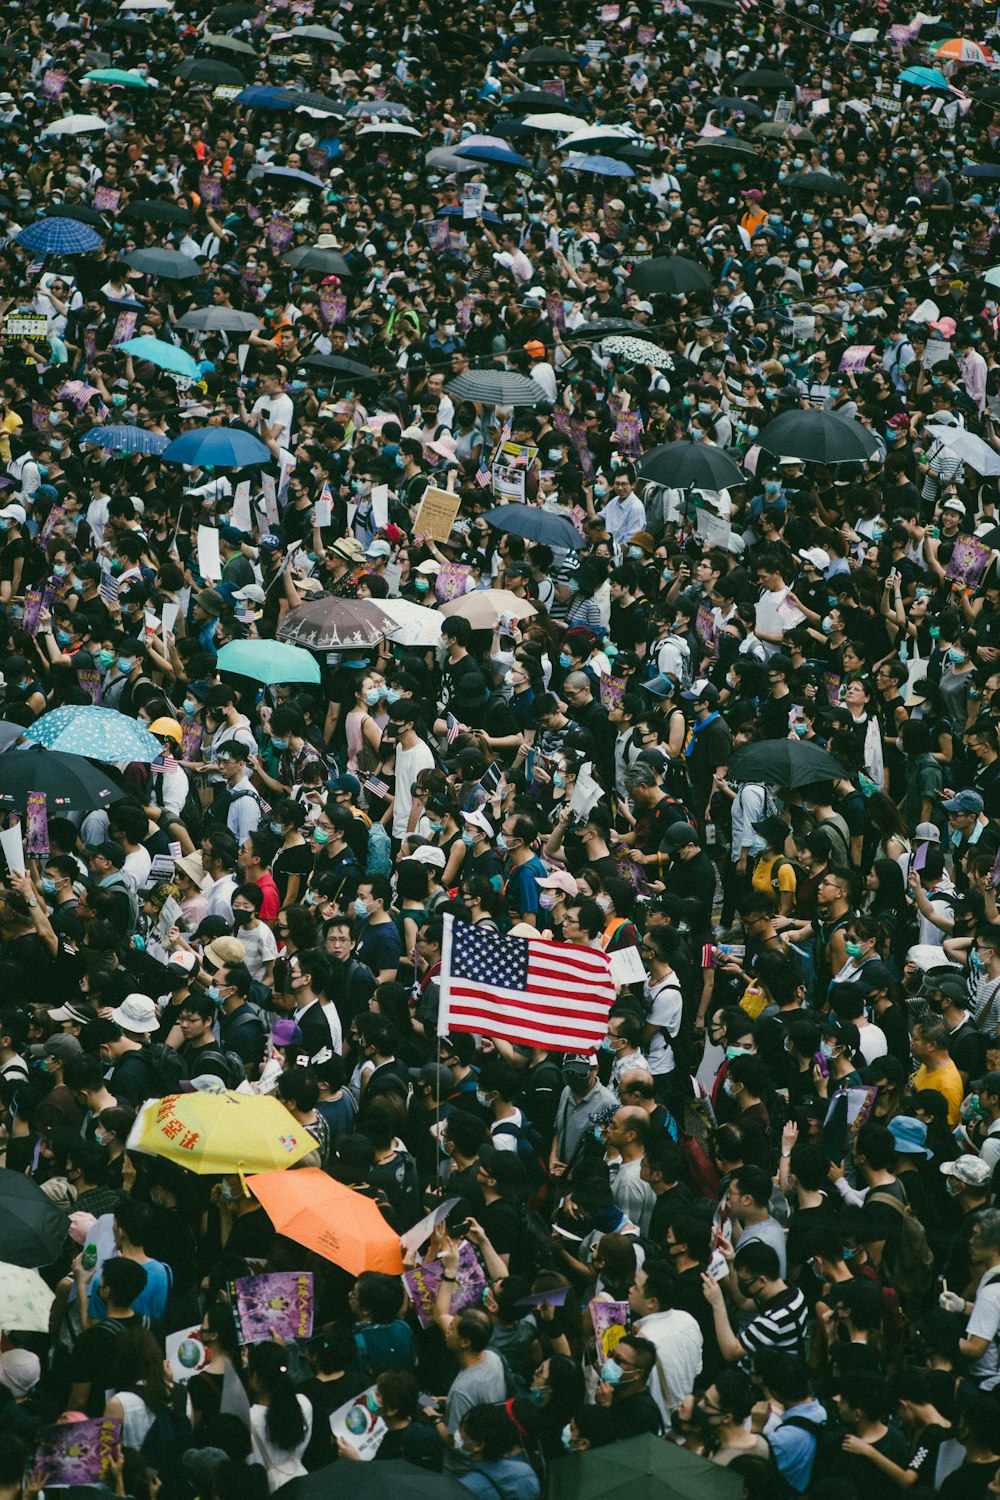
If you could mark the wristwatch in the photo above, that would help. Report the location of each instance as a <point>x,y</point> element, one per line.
<point>32,903</point>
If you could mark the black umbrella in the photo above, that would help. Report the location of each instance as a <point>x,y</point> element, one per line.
<point>599,328</point>
<point>817,182</point>
<point>68,781</point>
<point>788,763</point>
<point>312,258</point>
<point>670,273</point>
<point>170,264</point>
<point>9,733</point>
<point>714,5</point>
<point>684,464</point>
<point>395,1477</point>
<point>232,15</point>
<point>82,212</point>
<point>555,55</point>
<point>990,95</point>
<point>32,1230</point>
<point>766,79</point>
<point>536,525</point>
<point>537,101</point>
<point>726,147</point>
<point>337,365</point>
<point>205,70</point>
<point>748,107</point>
<point>818,437</point>
<point>156,211</point>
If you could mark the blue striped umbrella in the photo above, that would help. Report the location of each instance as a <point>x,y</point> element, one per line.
<point>222,447</point>
<point>125,439</point>
<point>100,733</point>
<point>59,236</point>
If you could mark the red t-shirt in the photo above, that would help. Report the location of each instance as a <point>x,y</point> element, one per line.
<point>272,900</point>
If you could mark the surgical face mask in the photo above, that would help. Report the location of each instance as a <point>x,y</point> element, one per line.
<point>635,553</point>
<point>361,909</point>
<point>213,994</point>
<point>125,664</point>
<point>371,696</point>
<point>320,836</point>
<point>956,655</point>
<point>421,585</point>
<point>558,779</point>
<point>731,1089</point>
<point>48,885</point>
<point>189,706</point>
<point>827,624</point>
<point>826,1049</point>
<point>611,1372</point>
<point>772,486</point>
<point>105,658</point>
<point>63,637</point>
<point>502,843</point>
<point>800,729</point>
<point>276,828</point>
<point>853,949</point>
<point>565,661</point>
<point>547,900</point>
<point>566,1437</point>
<point>604,902</point>
<point>468,839</point>
<point>483,1099</point>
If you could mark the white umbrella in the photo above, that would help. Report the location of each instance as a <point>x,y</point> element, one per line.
<point>970,449</point>
<point>389,127</point>
<point>146,5</point>
<point>604,133</point>
<point>75,125</point>
<point>992,276</point>
<point>554,122</point>
<point>866,34</point>
<point>415,624</point>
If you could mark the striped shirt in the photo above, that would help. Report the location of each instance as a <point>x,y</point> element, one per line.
<point>778,1324</point>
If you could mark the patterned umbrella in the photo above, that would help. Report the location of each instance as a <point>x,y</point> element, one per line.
<point>329,624</point>
<point>99,733</point>
<point>268,662</point>
<point>222,447</point>
<point>25,1300</point>
<point>59,236</point>
<point>496,388</point>
<point>639,351</point>
<point>164,356</point>
<point>385,108</point>
<point>125,439</point>
<point>415,624</point>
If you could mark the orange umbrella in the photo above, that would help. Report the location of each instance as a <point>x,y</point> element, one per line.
<point>312,1209</point>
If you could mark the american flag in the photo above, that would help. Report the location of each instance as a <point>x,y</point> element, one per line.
<point>376,786</point>
<point>483,478</point>
<point>505,432</point>
<point>163,764</point>
<point>452,728</point>
<point>526,990</point>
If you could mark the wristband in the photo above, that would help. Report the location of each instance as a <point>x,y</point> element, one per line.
<point>450,1278</point>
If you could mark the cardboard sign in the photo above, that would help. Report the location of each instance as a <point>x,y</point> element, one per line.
<point>437,513</point>
<point>25,325</point>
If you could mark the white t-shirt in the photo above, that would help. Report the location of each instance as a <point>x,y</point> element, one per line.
<point>665,1007</point>
<point>277,409</point>
<point>408,764</point>
<point>767,619</point>
<point>984,1323</point>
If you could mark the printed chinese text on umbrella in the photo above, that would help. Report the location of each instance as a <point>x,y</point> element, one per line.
<point>331,624</point>
<point>223,1131</point>
<point>322,1214</point>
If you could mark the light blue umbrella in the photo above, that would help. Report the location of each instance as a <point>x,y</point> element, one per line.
<point>268,662</point>
<point>603,166</point>
<point>164,356</point>
<point>100,733</point>
<point>125,439</point>
<point>925,78</point>
<point>221,447</point>
<point>59,237</point>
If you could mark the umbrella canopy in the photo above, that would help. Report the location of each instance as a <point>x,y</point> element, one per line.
<point>443,159</point>
<point>170,264</point>
<point>499,155</point>
<point>9,733</point>
<point>68,782</point>
<point>292,175</point>
<point>979,169</point>
<point>595,138</point>
<point>496,388</point>
<point>766,80</point>
<point>536,524</point>
<point>25,1300</point>
<point>819,437</point>
<point>157,211</point>
<point>224,319</point>
<point>80,211</point>
<point>454,211</point>
<point>788,763</point>
<point>785,130</point>
<point>32,1229</point>
<point>546,119</point>
<point>639,351</point>
<point>268,662</point>
<point>969,448</point>
<point>817,182</point>
<point>59,237</point>
<point>727,147</point>
<point>338,364</point>
<point>228,44</point>
<point>221,1131</point>
<point>415,624</point>
<point>991,95</point>
<point>330,624</point>
<point>205,70</point>
<point>316,34</point>
<point>485,608</point>
<point>125,439</point>
<point>640,1468</point>
<point>75,125</point>
<point>686,465</point>
<point>963,49</point>
<point>267,96</point>
<point>396,1477</point>
<point>748,107</point>
<point>598,329</point>
<point>222,447</point>
<point>537,99</point>
<point>601,166</point>
<point>925,78</point>
<point>555,55</point>
<point>312,258</point>
<point>100,733</point>
<point>323,1215</point>
<point>120,76</point>
<point>670,273</point>
<point>164,356</point>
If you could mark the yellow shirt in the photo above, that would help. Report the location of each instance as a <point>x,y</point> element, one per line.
<point>761,877</point>
<point>946,1081</point>
<point>9,422</point>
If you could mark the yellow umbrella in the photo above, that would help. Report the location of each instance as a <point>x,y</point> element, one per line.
<point>221,1132</point>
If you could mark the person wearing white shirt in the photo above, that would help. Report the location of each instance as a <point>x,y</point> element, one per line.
<point>273,410</point>
<point>675,1335</point>
<point>769,627</point>
<point>624,513</point>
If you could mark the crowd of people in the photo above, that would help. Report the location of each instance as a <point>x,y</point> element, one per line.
<point>720,705</point>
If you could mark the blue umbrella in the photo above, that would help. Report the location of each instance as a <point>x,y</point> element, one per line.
<point>220,447</point>
<point>164,356</point>
<point>268,662</point>
<point>454,211</point>
<point>979,169</point>
<point>264,96</point>
<point>125,439</point>
<point>925,78</point>
<point>603,166</point>
<point>536,525</point>
<point>59,236</point>
<point>100,733</point>
<point>496,154</point>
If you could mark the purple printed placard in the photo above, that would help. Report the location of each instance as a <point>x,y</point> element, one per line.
<point>53,82</point>
<point>555,87</point>
<point>833,684</point>
<point>40,417</point>
<point>56,514</point>
<point>106,200</point>
<point>969,561</point>
<point>38,825</point>
<point>645,35</point>
<point>855,358</point>
<point>612,691</point>
<point>279,1304</point>
<point>318,160</point>
<point>124,327</point>
<point>89,681</point>
<point>451,581</point>
<point>441,235</point>
<point>628,431</point>
<point>555,311</point>
<point>333,305</point>
<point>210,189</point>
<point>32,609</point>
<point>280,233</point>
<point>77,1452</point>
<point>610,1322</point>
<point>705,628</point>
<point>423,1281</point>
<point>463,313</point>
<point>190,739</point>
<point>90,346</point>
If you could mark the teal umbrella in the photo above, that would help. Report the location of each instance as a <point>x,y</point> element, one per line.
<point>925,78</point>
<point>268,662</point>
<point>164,356</point>
<point>117,75</point>
<point>641,1468</point>
<point>100,733</point>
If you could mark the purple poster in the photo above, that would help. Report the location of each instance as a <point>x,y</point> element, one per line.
<point>38,825</point>
<point>705,628</point>
<point>106,200</point>
<point>125,327</point>
<point>969,561</point>
<point>832,683</point>
<point>628,431</point>
<point>278,1304</point>
<point>52,520</point>
<point>612,690</point>
<point>53,82</point>
<point>451,581</point>
<point>190,740</point>
<point>89,680</point>
<point>32,609</point>
<point>333,305</point>
<point>77,1452</point>
<point>40,416</point>
<point>318,160</point>
<point>210,189</point>
<point>610,1321</point>
<point>423,1281</point>
<point>556,312</point>
<point>280,233</point>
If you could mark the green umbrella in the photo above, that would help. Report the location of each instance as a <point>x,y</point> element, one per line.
<point>641,1468</point>
<point>268,662</point>
<point>117,75</point>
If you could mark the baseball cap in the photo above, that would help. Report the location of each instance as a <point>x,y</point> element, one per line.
<point>988,1085</point>
<point>467,760</point>
<point>947,982</point>
<point>378,548</point>
<point>180,967</point>
<point>136,1013</point>
<point>504,1167</point>
<point>252,592</point>
<point>955,505</point>
<point>559,880</point>
<point>14,513</point>
<point>579,1063</point>
<point>679,835</point>
<point>927,833</point>
<point>438,1075</point>
<point>285,1033</point>
<point>479,820</point>
<point>874,976</point>
<point>73,1013</point>
<point>817,557</point>
<point>345,783</point>
<point>110,849</point>
<point>702,692</point>
<point>971,1170</point>
<point>966,801</point>
<point>62,1046</point>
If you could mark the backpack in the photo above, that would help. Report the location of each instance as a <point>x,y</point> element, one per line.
<point>379,860</point>
<point>536,1240</point>
<point>218,816</point>
<point>912,1261</point>
<point>167,1069</point>
<point>233,1070</point>
<point>779,864</point>
<point>531,1156</point>
<point>167,1440</point>
<point>818,1432</point>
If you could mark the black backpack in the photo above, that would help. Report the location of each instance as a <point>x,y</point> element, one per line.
<point>231,1067</point>
<point>167,1069</point>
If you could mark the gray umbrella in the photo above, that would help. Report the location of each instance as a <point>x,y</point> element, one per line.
<point>313,258</point>
<point>496,388</point>
<point>220,320</point>
<point>170,264</point>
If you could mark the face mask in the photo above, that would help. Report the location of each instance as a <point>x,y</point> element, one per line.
<point>853,949</point>
<point>125,664</point>
<point>772,486</point>
<point>242,918</point>
<point>730,1088</point>
<point>320,836</point>
<point>635,553</point>
<point>566,1437</point>
<point>827,624</point>
<point>502,843</point>
<point>63,637</point>
<point>213,994</point>
<point>600,490</point>
<point>558,779</point>
<point>483,1099</point>
<point>732,1052</point>
<point>105,658</point>
<point>956,655</point>
<point>611,1373</point>
<point>48,886</point>
<point>279,744</point>
<point>372,696</point>
<point>826,1049</point>
<point>60,570</point>
<point>800,729</point>
<point>421,585</point>
<point>608,1044</point>
<point>189,707</point>
<point>468,839</point>
<point>604,902</point>
<point>565,661</point>
<point>547,900</point>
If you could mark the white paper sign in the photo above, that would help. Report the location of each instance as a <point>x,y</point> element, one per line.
<point>13,849</point>
<point>323,513</point>
<point>358,1425</point>
<point>270,499</point>
<point>712,528</point>
<point>380,506</point>
<point>168,617</point>
<point>186,1354</point>
<point>422,1231</point>
<point>627,967</point>
<point>242,517</point>
<point>209,558</point>
<point>393,576</point>
<point>586,794</point>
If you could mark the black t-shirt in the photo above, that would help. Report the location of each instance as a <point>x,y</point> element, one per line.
<point>93,1358</point>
